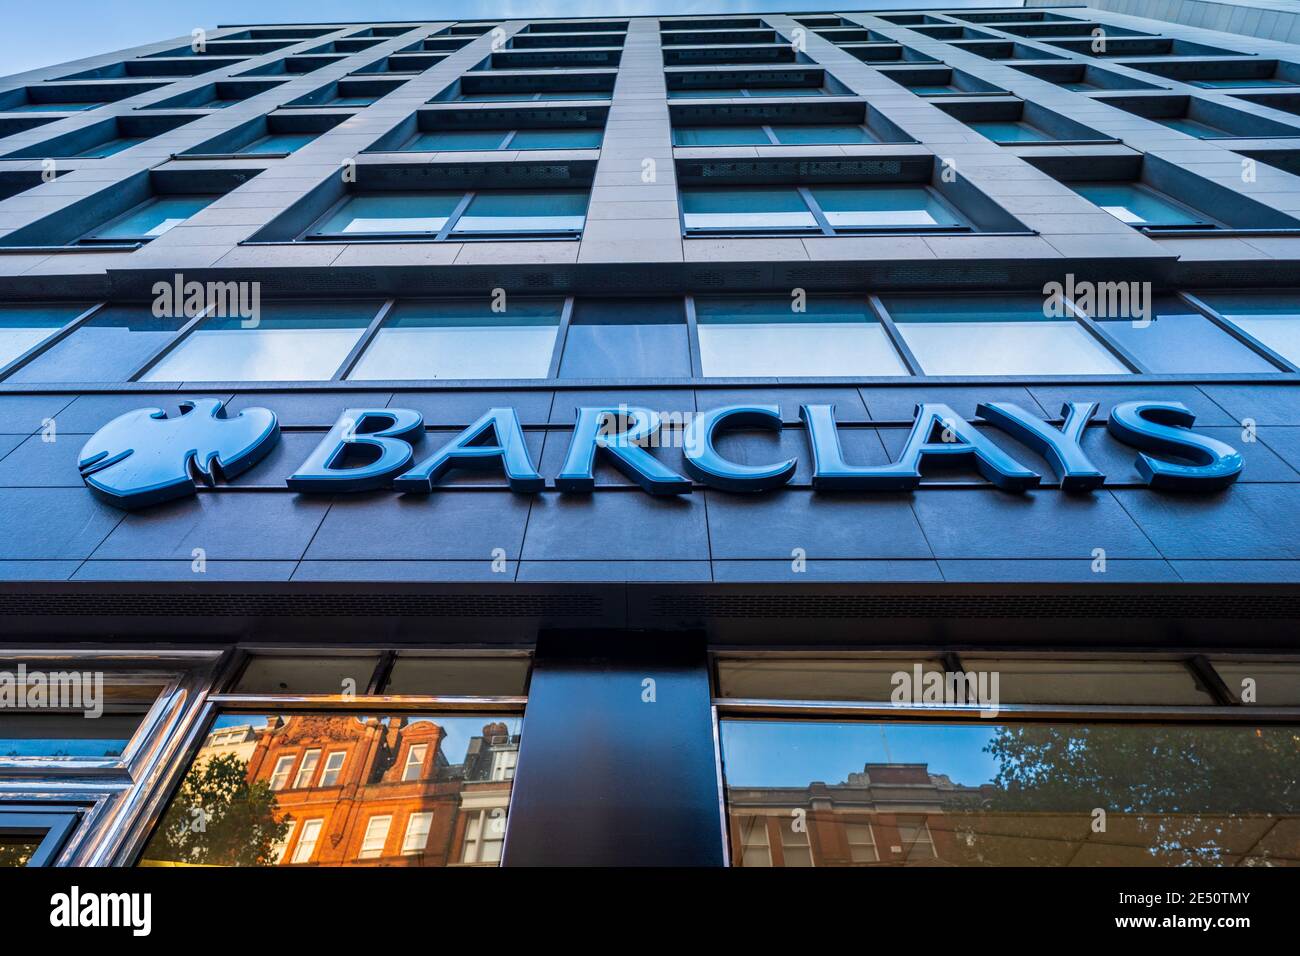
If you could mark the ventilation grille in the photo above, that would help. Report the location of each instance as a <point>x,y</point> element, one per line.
<point>301,605</point>
<point>808,170</point>
<point>842,606</point>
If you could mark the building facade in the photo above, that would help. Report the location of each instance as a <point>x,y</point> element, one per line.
<point>845,438</point>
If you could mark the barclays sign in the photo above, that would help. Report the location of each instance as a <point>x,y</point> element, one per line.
<point>143,457</point>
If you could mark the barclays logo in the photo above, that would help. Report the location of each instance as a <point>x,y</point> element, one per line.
<point>144,457</point>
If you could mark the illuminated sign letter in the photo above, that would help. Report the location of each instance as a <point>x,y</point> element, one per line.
<point>324,469</point>
<point>704,464</point>
<point>598,429</point>
<point>1162,427</point>
<point>507,446</point>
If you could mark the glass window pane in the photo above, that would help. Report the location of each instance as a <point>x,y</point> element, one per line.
<point>250,821</point>
<point>556,139</point>
<point>306,675</point>
<point>1137,206</point>
<point>1177,338</point>
<point>998,794</point>
<point>627,338</point>
<point>720,136</point>
<point>865,207</point>
<point>110,147</point>
<point>763,207</point>
<point>70,714</point>
<point>16,849</point>
<point>278,143</point>
<point>463,338</point>
<point>1272,319</point>
<point>107,348</point>
<point>457,139</point>
<point>24,326</point>
<point>301,341</point>
<point>459,676</point>
<point>996,336</point>
<point>518,212</point>
<point>815,678</point>
<point>1065,681</point>
<point>152,218</point>
<point>763,336</point>
<point>796,135</point>
<point>392,213</point>
<point>1009,131</point>
<point>1262,682</point>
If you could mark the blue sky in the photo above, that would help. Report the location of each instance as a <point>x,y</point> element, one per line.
<point>43,34</point>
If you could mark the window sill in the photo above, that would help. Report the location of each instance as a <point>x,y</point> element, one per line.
<point>79,246</point>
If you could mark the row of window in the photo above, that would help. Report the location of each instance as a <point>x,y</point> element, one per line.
<point>709,336</point>
<point>975,768</point>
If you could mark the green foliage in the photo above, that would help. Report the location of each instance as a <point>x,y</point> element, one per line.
<point>219,818</point>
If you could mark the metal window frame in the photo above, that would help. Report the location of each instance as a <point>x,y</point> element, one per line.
<point>53,823</point>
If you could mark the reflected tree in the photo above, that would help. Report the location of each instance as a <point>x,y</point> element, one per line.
<point>1185,796</point>
<point>219,818</point>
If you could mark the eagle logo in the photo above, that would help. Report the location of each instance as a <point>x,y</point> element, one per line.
<point>143,457</point>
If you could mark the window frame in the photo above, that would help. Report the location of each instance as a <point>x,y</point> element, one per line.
<point>823,226</point>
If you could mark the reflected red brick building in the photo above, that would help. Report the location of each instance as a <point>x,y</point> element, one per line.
<point>889,814</point>
<point>381,791</point>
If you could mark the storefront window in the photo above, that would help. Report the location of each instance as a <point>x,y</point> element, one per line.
<point>902,793</point>
<point>395,790</point>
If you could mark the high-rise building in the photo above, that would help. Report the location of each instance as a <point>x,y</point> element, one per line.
<point>863,438</point>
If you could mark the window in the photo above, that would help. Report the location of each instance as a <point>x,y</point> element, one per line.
<point>150,219</point>
<point>1175,338</point>
<point>298,341</point>
<point>277,143</point>
<point>997,336</point>
<point>485,834</point>
<point>861,842</point>
<point>627,338</point>
<point>1273,320</point>
<point>372,846</point>
<point>333,767</point>
<point>828,210</point>
<point>767,337</point>
<point>280,775</point>
<point>494,139</point>
<point>440,215</point>
<point>457,813</point>
<point>504,763</point>
<point>768,135</point>
<point>1009,131</point>
<point>414,768</point>
<point>417,833</point>
<point>306,769</point>
<point>984,793</point>
<point>23,327</point>
<point>109,347</point>
<point>274,674</point>
<point>34,835</point>
<point>302,853</point>
<point>443,676</point>
<point>737,92</point>
<point>754,847</point>
<point>1139,205</point>
<point>795,850</point>
<point>463,339</point>
<point>281,846</point>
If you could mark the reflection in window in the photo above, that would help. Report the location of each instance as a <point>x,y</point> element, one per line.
<point>787,135</point>
<point>17,849</point>
<point>306,769</point>
<point>827,210</point>
<point>766,336</point>
<point>1140,205</point>
<point>985,794</point>
<point>997,336</point>
<point>494,139</point>
<point>1175,338</point>
<point>108,347</point>
<point>25,326</point>
<point>150,219</point>
<point>82,721</point>
<point>439,215</point>
<point>438,781</point>
<point>299,341</point>
<point>1272,319</point>
<point>463,338</point>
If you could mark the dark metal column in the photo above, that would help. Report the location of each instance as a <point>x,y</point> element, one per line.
<point>617,765</point>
